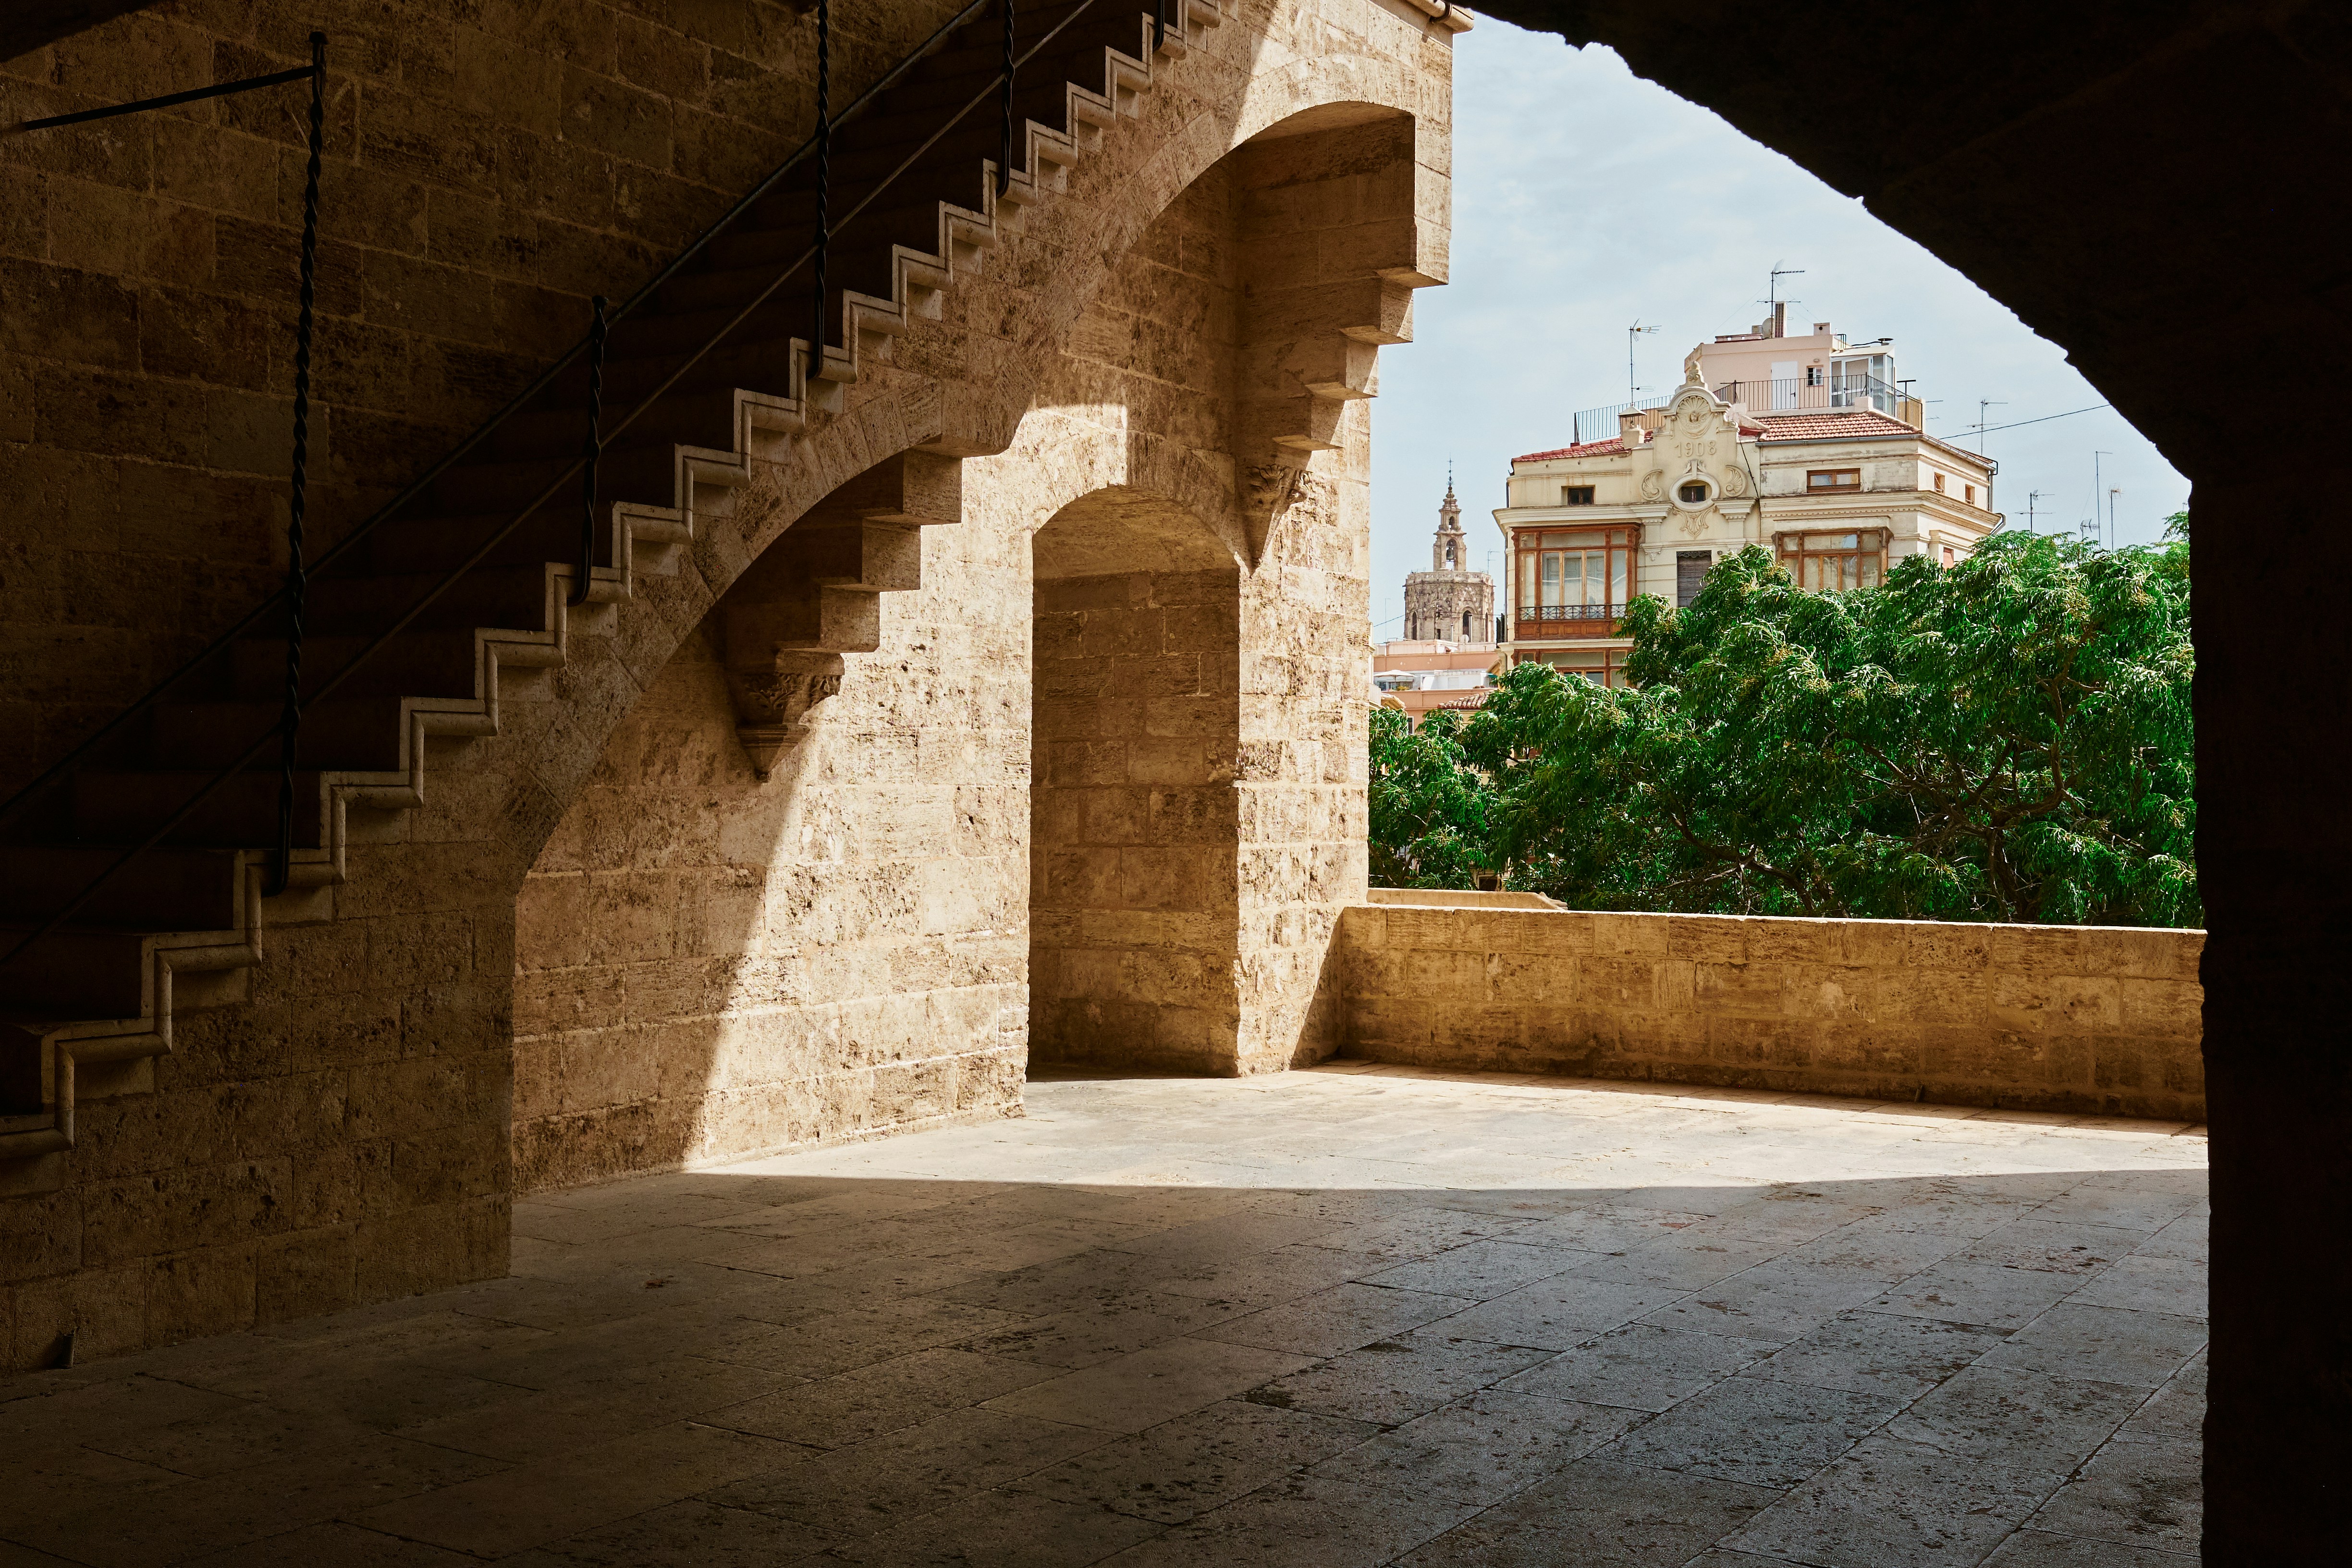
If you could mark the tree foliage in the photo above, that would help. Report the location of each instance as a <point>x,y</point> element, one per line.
<point>2007,739</point>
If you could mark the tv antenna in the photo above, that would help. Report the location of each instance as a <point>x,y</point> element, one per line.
<point>1772,294</point>
<point>1983,404</point>
<point>2030,498</point>
<point>1632,392</point>
<point>2097,484</point>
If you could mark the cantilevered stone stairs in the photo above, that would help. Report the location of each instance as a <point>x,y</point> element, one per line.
<point>96,997</point>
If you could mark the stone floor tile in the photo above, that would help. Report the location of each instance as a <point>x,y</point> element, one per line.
<point>1148,1386</point>
<point>2176,1411</point>
<point>1764,1434</point>
<point>226,1441</point>
<point>198,1515</point>
<point>2138,1205</point>
<point>1101,1332</point>
<point>2149,1284</point>
<point>2060,1247</point>
<point>842,1341</point>
<point>1302,1523</point>
<point>1483,1447</point>
<point>1778,1299</point>
<point>1228,1237</point>
<point>1878,1352</point>
<point>531,1505</point>
<point>1392,1381</point>
<point>690,1534</point>
<point>2013,1416</point>
<point>1262,1280</point>
<point>1681,1264</point>
<point>2138,1494</point>
<point>1476,1271</point>
<point>2108,1344</point>
<point>2040,1548</point>
<point>1986,1294</point>
<point>1334,1321</point>
<point>1045,1289</point>
<point>869,1487</point>
<point>1890,1255</point>
<point>1614,1230</point>
<point>2190,1235</point>
<point>1616,1515</point>
<point>1640,1367</point>
<point>1000,1529</point>
<point>1559,1312</point>
<point>1181,1467</point>
<point>313,1545</point>
<point>1890,1504</point>
<point>1424,1231</point>
<point>856,1405</point>
<point>616,1402</point>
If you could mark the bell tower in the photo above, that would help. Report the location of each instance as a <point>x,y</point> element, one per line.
<point>1450,552</point>
<point>1449,603</point>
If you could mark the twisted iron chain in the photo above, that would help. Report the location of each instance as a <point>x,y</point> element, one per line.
<point>823,174</point>
<point>290,722</point>
<point>593,449</point>
<point>1004,152</point>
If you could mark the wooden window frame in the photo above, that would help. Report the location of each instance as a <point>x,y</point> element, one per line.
<point>1833,475</point>
<point>1532,619</point>
<point>1612,662</point>
<point>1576,495</point>
<point>1863,561</point>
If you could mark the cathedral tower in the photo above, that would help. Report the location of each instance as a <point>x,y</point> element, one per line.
<point>1449,603</point>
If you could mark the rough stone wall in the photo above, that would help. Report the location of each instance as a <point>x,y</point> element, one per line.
<point>2083,1019</point>
<point>487,168</point>
<point>335,1123</point>
<point>710,965</point>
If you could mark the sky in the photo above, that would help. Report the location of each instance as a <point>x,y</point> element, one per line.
<point>1585,199</point>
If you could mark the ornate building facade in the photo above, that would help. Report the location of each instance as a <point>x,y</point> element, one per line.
<point>1839,495</point>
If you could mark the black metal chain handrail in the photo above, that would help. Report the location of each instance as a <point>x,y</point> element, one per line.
<point>824,179</point>
<point>593,449</point>
<point>1005,142</point>
<point>361,532</point>
<point>515,405</point>
<point>290,722</point>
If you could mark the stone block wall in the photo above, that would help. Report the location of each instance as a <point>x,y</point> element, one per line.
<point>1132,898</point>
<point>2081,1018</point>
<point>487,168</point>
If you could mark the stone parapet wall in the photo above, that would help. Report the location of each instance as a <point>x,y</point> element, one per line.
<point>2082,1018</point>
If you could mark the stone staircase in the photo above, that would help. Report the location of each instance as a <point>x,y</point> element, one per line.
<point>95,999</point>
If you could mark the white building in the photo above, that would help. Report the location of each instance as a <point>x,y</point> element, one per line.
<point>1838,493</point>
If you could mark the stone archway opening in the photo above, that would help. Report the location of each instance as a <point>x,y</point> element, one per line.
<point>1134,830</point>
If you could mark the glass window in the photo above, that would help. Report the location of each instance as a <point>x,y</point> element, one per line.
<point>1833,479</point>
<point>1835,562</point>
<point>1576,495</point>
<point>1693,493</point>
<point>1573,576</point>
<point>1601,666</point>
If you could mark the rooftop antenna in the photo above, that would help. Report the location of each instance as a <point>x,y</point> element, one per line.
<point>2030,498</point>
<point>1772,302</point>
<point>2113,491</point>
<point>1632,392</point>
<point>2097,484</point>
<point>1983,404</point>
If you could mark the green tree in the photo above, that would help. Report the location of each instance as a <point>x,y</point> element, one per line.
<point>1432,813</point>
<point>2008,738</point>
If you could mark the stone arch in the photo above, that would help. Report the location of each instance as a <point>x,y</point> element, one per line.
<point>842,948</point>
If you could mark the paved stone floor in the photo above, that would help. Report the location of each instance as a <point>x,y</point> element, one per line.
<point>1350,1316</point>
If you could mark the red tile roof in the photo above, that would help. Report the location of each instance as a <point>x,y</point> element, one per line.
<point>1821,426</point>
<point>1589,449</point>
